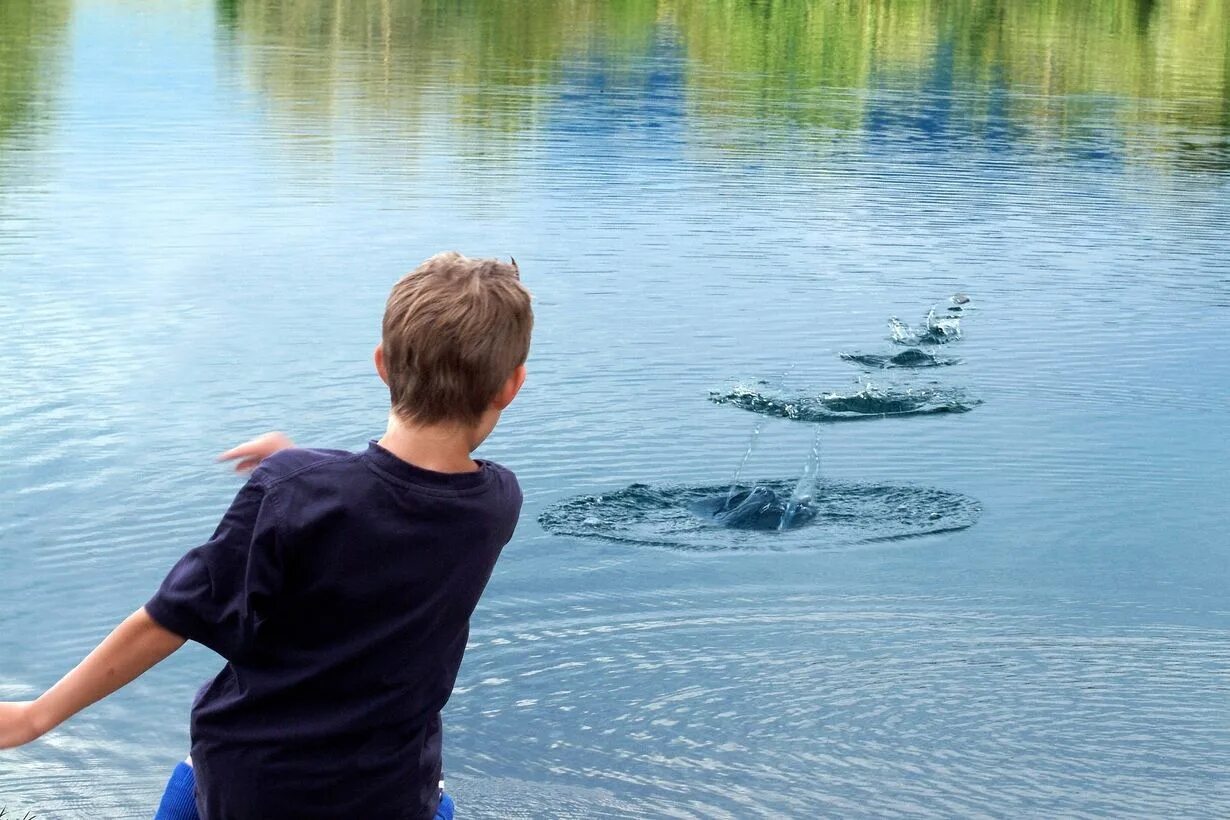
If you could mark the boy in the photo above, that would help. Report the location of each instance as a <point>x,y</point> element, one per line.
<point>339,587</point>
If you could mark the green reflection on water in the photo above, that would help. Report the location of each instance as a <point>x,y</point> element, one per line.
<point>391,54</point>
<point>31,33</point>
<point>1158,72</point>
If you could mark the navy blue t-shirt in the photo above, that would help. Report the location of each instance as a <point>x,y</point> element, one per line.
<point>339,588</point>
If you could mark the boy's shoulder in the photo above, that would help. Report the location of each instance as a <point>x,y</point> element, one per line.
<point>294,461</point>
<point>310,483</point>
<point>302,462</point>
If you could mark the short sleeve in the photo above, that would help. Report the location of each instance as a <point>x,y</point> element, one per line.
<point>220,592</point>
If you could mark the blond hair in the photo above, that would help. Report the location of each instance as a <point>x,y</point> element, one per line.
<point>454,330</point>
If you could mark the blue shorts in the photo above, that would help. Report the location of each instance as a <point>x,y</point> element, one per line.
<point>179,799</point>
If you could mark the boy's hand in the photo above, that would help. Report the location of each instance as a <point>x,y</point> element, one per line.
<point>252,453</point>
<point>17,726</point>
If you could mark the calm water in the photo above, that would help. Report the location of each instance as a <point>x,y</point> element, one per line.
<point>202,207</point>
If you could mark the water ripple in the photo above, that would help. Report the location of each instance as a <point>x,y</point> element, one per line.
<point>918,708</point>
<point>715,518</point>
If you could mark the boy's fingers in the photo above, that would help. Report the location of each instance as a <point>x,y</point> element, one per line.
<point>258,448</point>
<point>237,452</point>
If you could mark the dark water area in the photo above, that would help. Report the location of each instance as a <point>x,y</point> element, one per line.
<point>203,206</point>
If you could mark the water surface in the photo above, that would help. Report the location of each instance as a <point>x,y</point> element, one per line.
<point>203,205</point>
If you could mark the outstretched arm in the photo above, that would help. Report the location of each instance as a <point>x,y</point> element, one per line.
<point>136,645</point>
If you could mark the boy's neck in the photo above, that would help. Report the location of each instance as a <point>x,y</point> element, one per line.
<point>439,448</point>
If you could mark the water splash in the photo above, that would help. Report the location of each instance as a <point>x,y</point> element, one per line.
<point>699,518</point>
<point>807,484</point>
<point>910,357</point>
<point>941,326</point>
<point>869,402</point>
<point>759,508</point>
<point>757,428</point>
<point>936,329</point>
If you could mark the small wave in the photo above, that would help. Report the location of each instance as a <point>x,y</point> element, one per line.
<point>891,704</point>
<point>712,518</point>
<point>870,402</point>
<point>910,357</point>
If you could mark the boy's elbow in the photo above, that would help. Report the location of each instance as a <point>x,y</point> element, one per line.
<point>157,637</point>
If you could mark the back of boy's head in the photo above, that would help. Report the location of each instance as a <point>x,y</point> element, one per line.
<point>455,329</point>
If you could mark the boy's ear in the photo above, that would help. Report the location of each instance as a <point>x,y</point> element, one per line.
<point>379,358</point>
<point>510,389</point>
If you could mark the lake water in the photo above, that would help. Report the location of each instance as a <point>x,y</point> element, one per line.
<point>203,206</point>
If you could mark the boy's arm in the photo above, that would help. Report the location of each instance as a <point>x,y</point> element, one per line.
<point>136,645</point>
